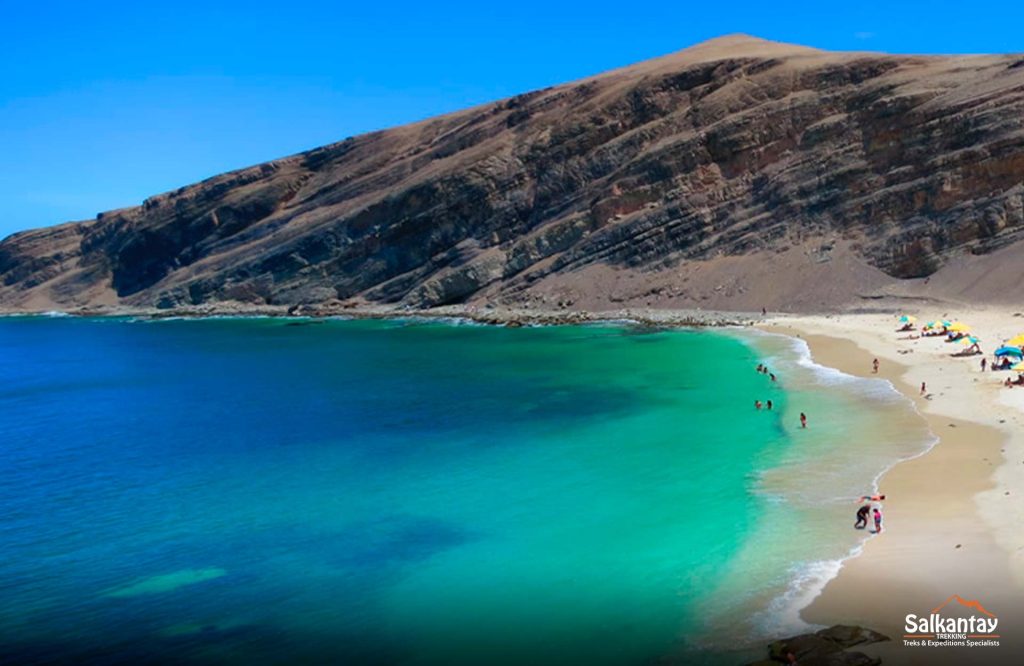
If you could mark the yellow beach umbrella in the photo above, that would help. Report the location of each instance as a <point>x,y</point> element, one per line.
<point>1017,341</point>
<point>1019,367</point>
<point>908,319</point>
<point>959,327</point>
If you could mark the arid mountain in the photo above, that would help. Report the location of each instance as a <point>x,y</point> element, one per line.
<point>733,174</point>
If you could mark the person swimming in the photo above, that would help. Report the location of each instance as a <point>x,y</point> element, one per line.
<point>757,404</point>
<point>862,517</point>
<point>871,498</point>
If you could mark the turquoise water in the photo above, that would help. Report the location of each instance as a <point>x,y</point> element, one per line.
<point>271,491</point>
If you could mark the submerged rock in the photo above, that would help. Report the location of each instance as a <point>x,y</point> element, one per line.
<point>828,647</point>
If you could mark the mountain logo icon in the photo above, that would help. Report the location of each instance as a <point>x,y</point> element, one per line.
<point>973,604</point>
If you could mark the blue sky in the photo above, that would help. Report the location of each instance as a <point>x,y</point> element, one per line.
<point>105,103</point>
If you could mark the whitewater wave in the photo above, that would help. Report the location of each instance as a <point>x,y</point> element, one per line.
<point>807,580</point>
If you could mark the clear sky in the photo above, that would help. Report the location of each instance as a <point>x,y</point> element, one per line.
<point>105,103</point>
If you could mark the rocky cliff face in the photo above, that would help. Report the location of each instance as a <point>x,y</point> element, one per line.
<point>732,149</point>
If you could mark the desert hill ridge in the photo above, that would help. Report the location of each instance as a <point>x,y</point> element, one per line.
<point>737,173</point>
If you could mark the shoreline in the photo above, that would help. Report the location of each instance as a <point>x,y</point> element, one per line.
<point>946,528</point>
<point>807,585</point>
<point>495,316</point>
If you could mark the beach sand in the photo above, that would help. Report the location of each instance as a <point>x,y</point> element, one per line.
<point>953,514</point>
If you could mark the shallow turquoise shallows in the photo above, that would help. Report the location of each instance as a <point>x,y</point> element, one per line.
<point>275,491</point>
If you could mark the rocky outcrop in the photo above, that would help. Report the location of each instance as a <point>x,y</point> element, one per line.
<point>828,647</point>
<point>735,148</point>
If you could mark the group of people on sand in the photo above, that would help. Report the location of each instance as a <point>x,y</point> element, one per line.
<point>767,404</point>
<point>865,510</point>
<point>1008,357</point>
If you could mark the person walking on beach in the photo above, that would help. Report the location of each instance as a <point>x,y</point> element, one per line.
<point>924,389</point>
<point>874,365</point>
<point>862,517</point>
<point>803,420</point>
<point>984,362</point>
<point>878,521</point>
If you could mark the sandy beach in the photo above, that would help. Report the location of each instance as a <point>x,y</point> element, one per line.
<point>952,515</point>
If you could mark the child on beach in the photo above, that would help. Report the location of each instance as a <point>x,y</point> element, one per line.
<point>862,517</point>
<point>874,365</point>
<point>878,521</point>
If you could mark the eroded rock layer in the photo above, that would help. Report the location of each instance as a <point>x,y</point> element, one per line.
<point>733,148</point>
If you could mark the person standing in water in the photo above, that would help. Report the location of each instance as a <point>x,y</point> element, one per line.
<point>803,420</point>
<point>878,521</point>
<point>862,517</point>
<point>874,365</point>
<point>769,404</point>
<point>772,375</point>
<point>757,404</point>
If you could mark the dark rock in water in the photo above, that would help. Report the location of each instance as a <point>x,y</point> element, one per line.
<point>827,647</point>
<point>848,635</point>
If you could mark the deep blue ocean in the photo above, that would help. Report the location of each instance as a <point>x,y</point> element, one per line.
<point>270,491</point>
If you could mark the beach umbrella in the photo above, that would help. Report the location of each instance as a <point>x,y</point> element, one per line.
<point>970,340</point>
<point>1019,367</point>
<point>1010,351</point>
<point>959,327</point>
<point>907,319</point>
<point>1016,342</point>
